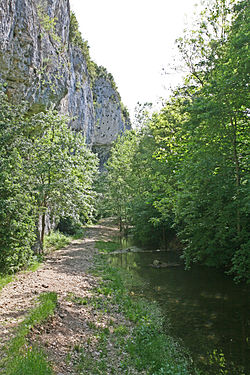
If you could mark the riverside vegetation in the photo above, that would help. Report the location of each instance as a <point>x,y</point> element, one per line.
<point>183,174</point>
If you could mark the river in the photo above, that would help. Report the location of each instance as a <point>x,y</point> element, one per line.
<point>202,306</point>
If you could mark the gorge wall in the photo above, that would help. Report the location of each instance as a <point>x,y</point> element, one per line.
<point>44,60</point>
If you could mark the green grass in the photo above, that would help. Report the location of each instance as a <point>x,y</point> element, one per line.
<point>32,363</point>
<point>77,300</point>
<point>21,358</point>
<point>5,279</point>
<point>34,265</point>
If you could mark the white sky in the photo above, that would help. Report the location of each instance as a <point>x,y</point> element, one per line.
<point>134,40</point>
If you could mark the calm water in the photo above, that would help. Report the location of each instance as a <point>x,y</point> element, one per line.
<point>206,309</point>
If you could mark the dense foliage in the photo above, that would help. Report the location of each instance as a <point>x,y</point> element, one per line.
<point>187,169</point>
<point>46,172</point>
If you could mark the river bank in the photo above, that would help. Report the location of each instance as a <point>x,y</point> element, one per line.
<point>206,309</point>
<point>99,326</point>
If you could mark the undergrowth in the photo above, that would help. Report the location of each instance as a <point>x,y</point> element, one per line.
<point>57,240</point>
<point>21,358</point>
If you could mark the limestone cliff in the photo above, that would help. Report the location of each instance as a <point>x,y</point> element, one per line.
<point>111,116</point>
<point>44,60</point>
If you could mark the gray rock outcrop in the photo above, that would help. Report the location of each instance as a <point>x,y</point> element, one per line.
<point>40,62</point>
<point>111,118</point>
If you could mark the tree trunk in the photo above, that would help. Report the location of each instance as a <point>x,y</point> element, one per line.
<point>164,237</point>
<point>43,230</point>
<point>237,168</point>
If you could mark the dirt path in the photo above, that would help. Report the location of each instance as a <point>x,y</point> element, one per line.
<point>64,272</point>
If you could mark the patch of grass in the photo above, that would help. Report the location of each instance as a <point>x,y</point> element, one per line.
<point>97,302</point>
<point>34,266</point>
<point>32,363</point>
<point>91,325</point>
<point>152,350</point>
<point>56,240</point>
<point>97,362</point>
<point>34,263</point>
<point>20,357</point>
<point>121,330</point>
<point>77,300</point>
<point>86,365</point>
<point>107,246</point>
<point>5,279</point>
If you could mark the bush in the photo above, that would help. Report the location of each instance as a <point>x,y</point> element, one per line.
<point>69,226</point>
<point>55,241</point>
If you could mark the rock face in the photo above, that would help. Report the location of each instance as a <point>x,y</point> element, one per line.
<point>40,62</point>
<point>111,118</point>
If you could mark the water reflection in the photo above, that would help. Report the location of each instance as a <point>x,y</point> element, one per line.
<point>206,309</point>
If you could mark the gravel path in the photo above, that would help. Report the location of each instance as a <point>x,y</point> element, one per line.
<point>64,271</point>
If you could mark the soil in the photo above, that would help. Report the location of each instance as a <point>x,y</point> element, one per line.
<point>64,271</point>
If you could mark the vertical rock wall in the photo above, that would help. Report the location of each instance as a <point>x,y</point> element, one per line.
<point>111,120</point>
<point>40,63</point>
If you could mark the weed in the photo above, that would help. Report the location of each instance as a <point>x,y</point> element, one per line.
<point>91,324</point>
<point>121,331</point>
<point>77,300</point>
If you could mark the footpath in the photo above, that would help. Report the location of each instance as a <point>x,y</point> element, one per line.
<point>66,273</point>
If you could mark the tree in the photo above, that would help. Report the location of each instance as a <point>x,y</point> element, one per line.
<point>186,170</point>
<point>17,224</point>
<point>210,191</point>
<point>119,184</point>
<point>46,171</point>
<point>63,168</point>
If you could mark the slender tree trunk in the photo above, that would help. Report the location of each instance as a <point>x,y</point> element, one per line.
<point>164,237</point>
<point>237,168</point>
<point>43,229</point>
<point>43,223</point>
<point>120,224</point>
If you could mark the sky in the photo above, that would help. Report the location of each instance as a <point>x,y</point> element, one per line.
<point>135,41</point>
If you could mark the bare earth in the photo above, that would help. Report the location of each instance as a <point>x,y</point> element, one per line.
<point>64,271</point>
